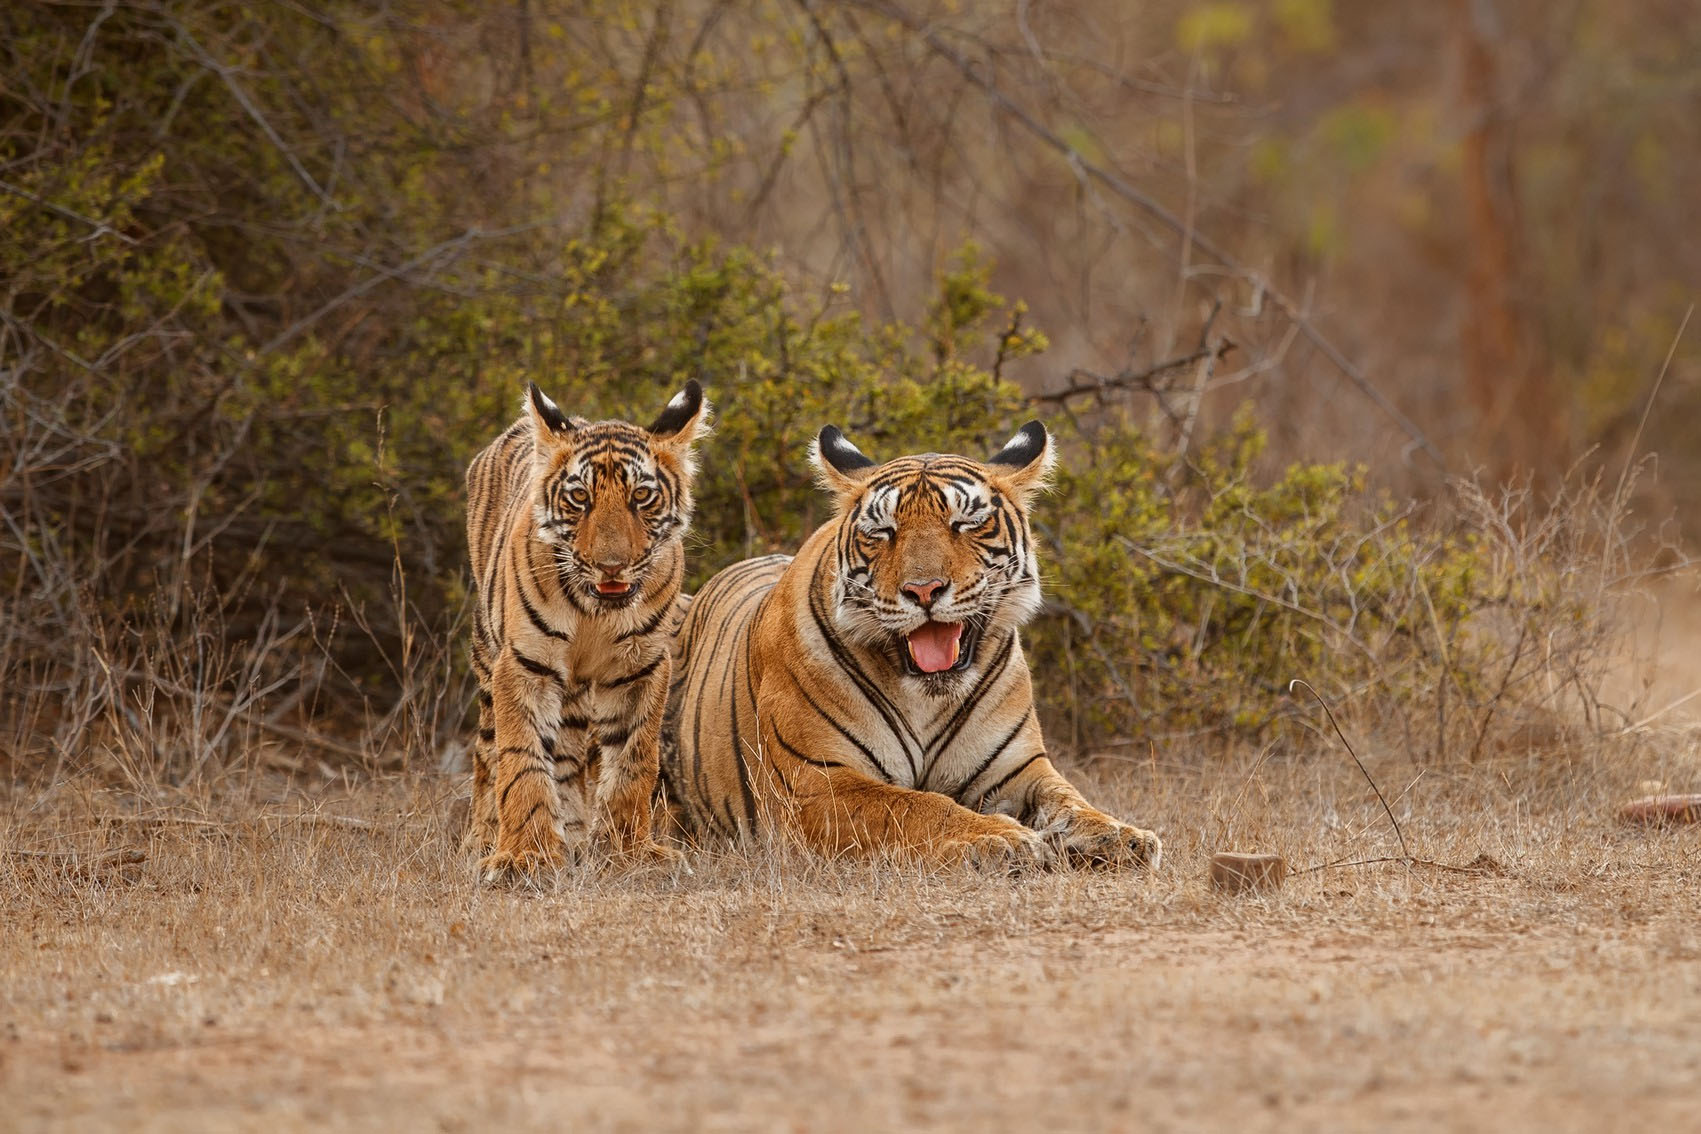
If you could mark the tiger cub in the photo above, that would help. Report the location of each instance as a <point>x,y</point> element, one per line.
<point>576,533</point>
<point>871,695</point>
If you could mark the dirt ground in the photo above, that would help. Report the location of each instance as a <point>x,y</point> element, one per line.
<point>290,956</point>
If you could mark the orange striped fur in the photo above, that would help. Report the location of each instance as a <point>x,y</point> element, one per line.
<point>871,694</point>
<point>575,531</point>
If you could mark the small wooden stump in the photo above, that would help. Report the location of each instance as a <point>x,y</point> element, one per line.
<point>1233,873</point>
<point>1661,810</point>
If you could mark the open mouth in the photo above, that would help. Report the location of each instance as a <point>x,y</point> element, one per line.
<point>613,590</point>
<point>939,647</point>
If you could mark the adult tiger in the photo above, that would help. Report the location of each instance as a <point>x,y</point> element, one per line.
<point>576,534</point>
<point>871,694</point>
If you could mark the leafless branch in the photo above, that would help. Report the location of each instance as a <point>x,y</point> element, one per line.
<point>1156,209</point>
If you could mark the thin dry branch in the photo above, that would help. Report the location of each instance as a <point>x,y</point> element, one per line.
<point>227,76</point>
<point>100,227</point>
<point>1082,381</point>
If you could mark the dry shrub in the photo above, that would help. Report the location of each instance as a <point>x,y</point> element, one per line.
<point>1479,623</point>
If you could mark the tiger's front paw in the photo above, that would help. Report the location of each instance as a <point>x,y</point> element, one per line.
<point>525,864</point>
<point>1008,848</point>
<point>1105,843</point>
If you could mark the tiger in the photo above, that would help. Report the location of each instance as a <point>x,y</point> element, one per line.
<point>576,534</point>
<point>870,696</point>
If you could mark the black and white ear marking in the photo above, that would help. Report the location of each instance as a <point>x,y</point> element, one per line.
<point>1026,447</point>
<point>679,411</point>
<point>841,454</point>
<point>547,411</point>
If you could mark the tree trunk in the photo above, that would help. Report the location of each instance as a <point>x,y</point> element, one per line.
<point>1520,424</point>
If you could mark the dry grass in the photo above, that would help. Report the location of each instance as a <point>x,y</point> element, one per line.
<point>291,956</point>
<point>210,919</point>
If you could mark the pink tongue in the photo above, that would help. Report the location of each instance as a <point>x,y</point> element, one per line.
<point>933,646</point>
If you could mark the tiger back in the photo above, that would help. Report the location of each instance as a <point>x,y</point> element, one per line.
<point>871,695</point>
<point>575,530</point>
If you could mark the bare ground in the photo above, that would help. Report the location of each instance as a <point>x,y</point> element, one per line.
<point>290,957</point>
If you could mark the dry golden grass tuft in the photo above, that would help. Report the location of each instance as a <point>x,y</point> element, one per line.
<point>290,957</point>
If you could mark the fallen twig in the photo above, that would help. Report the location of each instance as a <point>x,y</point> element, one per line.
<point>1482,864</point>
<point>79,865</point>
<point>314,817</point>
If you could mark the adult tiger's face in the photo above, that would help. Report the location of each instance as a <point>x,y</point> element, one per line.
<point>934,552</point>
<point>610,495</point>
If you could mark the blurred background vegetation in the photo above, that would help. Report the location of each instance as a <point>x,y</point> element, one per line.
<point>1291,279</point>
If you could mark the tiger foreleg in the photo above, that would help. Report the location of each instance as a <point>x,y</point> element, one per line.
<point>838,810</point>
<point>626,783</point>
<point>1042,799</point>
<point>530,835</point>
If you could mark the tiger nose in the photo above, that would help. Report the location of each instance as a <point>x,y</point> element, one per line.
<point>612,566</point>
<point>925,592</point>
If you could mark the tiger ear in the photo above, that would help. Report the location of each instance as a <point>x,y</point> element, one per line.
<point>685,419</point>
<point>842,466</point>
<point>1024,464</point>
<point>547,418</point>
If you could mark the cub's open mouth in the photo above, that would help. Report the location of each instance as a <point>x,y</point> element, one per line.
<point>613,589</point>
<point>939,647</point>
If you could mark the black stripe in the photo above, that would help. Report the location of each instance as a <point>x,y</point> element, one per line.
<point>493,567</point>
<point>810,760</point>
<point>536,667</point>
<point>995,788</point>
<point>488,735</point>
<point>537,619</point>
<point>636,675</point>
<point>533,769</point>
<point>649,625</point>
<point>871,691</point>
<point>729,690</point>
<point>1009,737</point>
<point>536,807</point>
<point>567,592</point>
<point>729,625</point>
<point>738,757</point>
<point>839,728</point>
<point>942,739</point>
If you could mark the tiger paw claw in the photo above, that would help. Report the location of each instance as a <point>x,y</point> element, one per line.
<point>507,867</point>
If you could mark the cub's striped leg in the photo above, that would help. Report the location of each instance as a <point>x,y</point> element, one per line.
<point>1042,799</point>
<point>480,835</point>
<point>631,765</point>
<point>530,822</point>
<point>838,810</point>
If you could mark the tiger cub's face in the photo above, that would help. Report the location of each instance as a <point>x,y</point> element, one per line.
<point>610,496</point>
<point>934,552</point>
